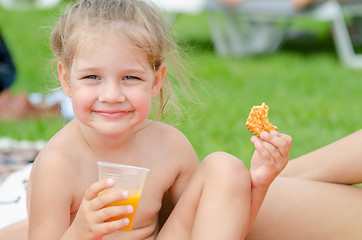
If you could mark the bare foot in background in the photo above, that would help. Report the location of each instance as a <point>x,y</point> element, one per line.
<point>230,3</point>
<point>18,107</point>
<point>301,4</point>
<point>5,97</point>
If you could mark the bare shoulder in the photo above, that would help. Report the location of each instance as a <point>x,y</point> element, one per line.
<point>52,169</point>
<point>51,163</point>
<point>166,131</point>
<point>56,153</point>
<point>171,139</point>
<point>173,149</point>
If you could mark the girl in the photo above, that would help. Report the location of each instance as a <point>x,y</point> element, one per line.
<point>111,63</point>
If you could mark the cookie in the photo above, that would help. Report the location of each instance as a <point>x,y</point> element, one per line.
<point>258,122</point>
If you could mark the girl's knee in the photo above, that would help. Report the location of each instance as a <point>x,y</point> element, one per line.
<point>227,170</point>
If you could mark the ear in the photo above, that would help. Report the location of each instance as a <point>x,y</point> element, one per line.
<point>158,81</point>
<point>63,76</point>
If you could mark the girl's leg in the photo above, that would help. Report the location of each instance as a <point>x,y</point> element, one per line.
<point>301,209</point>
<point>215,205</point>
<point>338,162</point>
<point>16,231</point>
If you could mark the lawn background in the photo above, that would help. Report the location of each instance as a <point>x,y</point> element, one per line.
<point>312,97</point>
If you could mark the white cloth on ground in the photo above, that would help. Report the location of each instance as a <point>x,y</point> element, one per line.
<point>13,197</point>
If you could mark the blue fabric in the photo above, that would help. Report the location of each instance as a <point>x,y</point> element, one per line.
<point>7,68</point>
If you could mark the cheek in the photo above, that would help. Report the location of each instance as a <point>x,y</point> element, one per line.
<point>141,101</point>
<point>83,101</point>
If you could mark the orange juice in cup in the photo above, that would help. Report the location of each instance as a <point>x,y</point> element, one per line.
<point>133,200</point>
<point>127,178</point>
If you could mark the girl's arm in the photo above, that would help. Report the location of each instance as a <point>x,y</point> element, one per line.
<point>269,159</point>
<point>338,162</point>
<point>48,199</point>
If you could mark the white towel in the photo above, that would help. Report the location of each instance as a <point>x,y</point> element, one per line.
<point>13,188</point>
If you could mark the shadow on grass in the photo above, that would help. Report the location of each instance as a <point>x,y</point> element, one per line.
<point>304,44</point>
<point>309,45</point>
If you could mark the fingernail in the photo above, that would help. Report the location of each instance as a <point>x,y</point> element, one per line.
<point>129,209</point>
<point>125,194</point>
<point>109,181</point>
<point>264,134</point>
<point>274,133</point>
<point>126,221</point>
<point>253,139</point>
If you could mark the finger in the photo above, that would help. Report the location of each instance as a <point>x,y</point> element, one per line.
<point>253,139</point>
<point>268,152</point>
<point>288,139</point>
<point>271,157</point>
<point>108,197</point>
<point>109,227</point>
<point>281,141</point>
<point>114,211</point>
<point>93,191</point>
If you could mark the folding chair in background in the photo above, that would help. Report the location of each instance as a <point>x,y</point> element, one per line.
<point>260,26</point>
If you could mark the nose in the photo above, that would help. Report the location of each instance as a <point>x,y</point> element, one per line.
<point>111,92</point>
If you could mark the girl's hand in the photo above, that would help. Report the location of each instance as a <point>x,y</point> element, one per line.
<point>270,157</point>
<point>89,222</point>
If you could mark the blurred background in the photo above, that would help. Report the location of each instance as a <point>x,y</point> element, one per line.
<point>312,95</point>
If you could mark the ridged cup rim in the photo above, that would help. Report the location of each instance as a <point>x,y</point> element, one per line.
<point>117,165</point>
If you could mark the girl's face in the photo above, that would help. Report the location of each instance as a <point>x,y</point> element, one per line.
<point>111,83</point>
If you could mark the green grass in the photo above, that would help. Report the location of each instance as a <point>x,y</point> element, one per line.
<point>27,36</point>
<point>312,97</point>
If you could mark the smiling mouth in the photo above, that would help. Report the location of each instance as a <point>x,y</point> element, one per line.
<point>113,114</point>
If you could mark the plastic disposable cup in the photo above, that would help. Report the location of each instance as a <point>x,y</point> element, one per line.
<point>127,178</point>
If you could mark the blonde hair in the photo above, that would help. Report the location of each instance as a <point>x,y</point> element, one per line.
<point>141,22</point>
